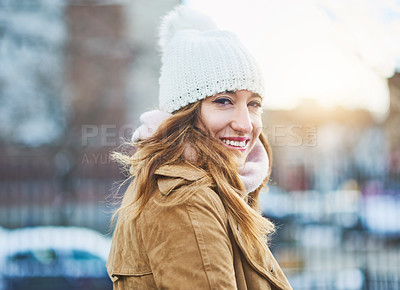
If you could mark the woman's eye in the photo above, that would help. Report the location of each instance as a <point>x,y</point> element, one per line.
<point>222,101</point>
<point>256,104</point>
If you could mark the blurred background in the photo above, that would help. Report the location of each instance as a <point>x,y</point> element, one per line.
<point>76,75</point>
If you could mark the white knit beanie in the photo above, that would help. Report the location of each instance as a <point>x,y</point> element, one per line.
<point>199,60</point>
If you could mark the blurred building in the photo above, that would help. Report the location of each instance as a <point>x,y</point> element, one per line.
<point>87,70</point>
<point>318,148</point>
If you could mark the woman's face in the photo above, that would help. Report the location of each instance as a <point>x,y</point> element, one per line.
<point>234,118</point>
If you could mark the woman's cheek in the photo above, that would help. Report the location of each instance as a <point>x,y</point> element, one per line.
<point>257,125</point>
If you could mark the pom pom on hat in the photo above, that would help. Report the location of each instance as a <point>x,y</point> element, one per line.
<point>182,18</point>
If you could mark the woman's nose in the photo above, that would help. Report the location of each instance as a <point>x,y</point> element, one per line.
<point>241,121</point>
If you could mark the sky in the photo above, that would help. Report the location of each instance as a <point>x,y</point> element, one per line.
<point>337,52</point>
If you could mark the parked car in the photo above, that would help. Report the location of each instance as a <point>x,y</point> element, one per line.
<point>54,258</point>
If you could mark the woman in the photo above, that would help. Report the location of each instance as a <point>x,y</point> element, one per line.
<point>189,218</point>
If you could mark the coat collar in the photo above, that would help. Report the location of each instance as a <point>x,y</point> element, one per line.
<point>174,176</point>
<point>184,170</point>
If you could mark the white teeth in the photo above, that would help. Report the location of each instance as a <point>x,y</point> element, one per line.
<point>235,143</point>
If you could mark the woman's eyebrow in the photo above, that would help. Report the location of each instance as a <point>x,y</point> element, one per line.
<point>254,95</point>
<point>230,92</point>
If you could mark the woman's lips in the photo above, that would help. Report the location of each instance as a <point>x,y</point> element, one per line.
<point>239,143</point>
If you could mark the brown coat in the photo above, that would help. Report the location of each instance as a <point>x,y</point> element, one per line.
<point>187,245</point>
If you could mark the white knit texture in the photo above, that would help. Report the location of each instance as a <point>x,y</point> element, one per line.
<point>199,64</point>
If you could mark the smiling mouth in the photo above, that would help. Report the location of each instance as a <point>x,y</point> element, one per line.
<point>239,143</point>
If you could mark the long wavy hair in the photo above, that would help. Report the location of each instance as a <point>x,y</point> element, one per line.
<point>167,147</point>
